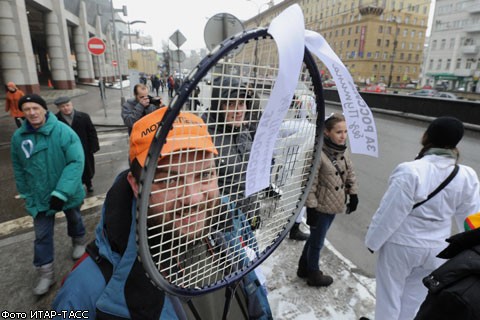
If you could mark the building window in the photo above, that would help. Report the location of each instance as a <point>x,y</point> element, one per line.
<point>452,43</point>
<point>348,43</point>
<point>384,67</point>
<point>449,62</point>
<point>402,45</point>
<point>405,32</point>
<point>379,42</point>
<point>402,55</point>
<point>469,64</point>
<point>385,55</point>
<point>417,56</point>
<point>412,34</point>
<point>387,43</point>
<point>355,43</point>
<point>459,63</point>
<point>377,54</point>
<point>430,64</point>
<point>375,67</point>
<point>442,44</point>
<point>439,64</point>
<point>380,29</point>
<point>434,44</point>
<point>409,58</point>
<point>420,35</point>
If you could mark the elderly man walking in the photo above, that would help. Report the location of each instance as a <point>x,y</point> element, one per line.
<point>48,160</point>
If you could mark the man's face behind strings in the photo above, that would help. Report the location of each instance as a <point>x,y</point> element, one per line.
<point>184,195</point>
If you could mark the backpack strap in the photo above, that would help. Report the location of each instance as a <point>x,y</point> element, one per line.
<point>103,264</point>
<point>440,187</point>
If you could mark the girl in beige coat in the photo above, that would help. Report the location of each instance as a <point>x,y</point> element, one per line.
<point>334,183</point>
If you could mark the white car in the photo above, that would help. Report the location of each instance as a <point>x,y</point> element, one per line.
<point>445,95</point>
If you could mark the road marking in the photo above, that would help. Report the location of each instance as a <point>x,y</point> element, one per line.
<point>26,222</point>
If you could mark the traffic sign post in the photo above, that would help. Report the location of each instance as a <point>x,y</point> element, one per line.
<point>178,39</point>
<point>96,46</point>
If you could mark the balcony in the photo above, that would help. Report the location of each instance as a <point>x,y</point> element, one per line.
<point>470,49</point>
<point>473,7</point>
<point>474,28</point>
<point>367,7</point>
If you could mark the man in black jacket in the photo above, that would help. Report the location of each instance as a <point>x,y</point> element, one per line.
<point>81,123</point>
<point>454,287</point>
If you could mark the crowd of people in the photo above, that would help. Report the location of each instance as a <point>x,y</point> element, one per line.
<point>407,232</point>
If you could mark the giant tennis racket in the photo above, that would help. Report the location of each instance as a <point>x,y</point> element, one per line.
<point>197,231</point>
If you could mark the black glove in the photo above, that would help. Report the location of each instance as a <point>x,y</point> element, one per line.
<point>371,251</point>
<point>56,203</point>
<point>352,205</point>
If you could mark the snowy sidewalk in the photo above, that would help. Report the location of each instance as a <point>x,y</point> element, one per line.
<point>350,297</point>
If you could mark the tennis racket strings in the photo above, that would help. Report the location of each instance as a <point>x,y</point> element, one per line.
<point>202,232</point>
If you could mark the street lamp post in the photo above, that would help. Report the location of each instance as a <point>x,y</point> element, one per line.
<point>258,22</point>
<point>130,35</point>
<point>115,39</point>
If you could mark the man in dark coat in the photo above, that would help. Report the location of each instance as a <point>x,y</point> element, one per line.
<point>454,287</point>
<point>83,126</point>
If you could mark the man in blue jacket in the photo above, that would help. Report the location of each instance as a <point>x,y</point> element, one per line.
<point>110,282</point>
<point>47,159</point>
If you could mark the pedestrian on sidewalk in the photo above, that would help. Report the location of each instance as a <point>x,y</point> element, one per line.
<point>13,95</point>
<point>334,184</point>
<point>81,123</point>
<point>137,107</point>
<point>47,158</point>
<point>110,282</point>
<point>414,218</point>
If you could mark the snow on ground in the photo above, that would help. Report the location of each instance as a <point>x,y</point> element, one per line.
<point>349,297</point>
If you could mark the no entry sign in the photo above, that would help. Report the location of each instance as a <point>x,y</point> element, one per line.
<point>96,46</point>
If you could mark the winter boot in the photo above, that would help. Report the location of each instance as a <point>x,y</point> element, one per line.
<point>302,271</point>
<point>297,234</point>
<point>78,245</point>
<point>45,279</point>
<point>318,279</point>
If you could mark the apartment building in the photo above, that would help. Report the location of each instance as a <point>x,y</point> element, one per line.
<point>453,55</point>
<point>378,40</point>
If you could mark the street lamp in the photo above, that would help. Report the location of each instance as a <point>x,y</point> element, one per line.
<point>115,37</point>
<point>258,22</point>
<point>129,34</point>
<point>259,7</point>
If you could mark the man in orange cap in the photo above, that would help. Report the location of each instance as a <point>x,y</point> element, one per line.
<point>11,104</point>
<point>184,199</point>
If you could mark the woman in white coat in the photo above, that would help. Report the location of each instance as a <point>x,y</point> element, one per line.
<point>408,239</point>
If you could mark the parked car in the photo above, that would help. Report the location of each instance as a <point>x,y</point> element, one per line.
<point>378,88</point>
<point>424,93</point>
<point>410,86</point>
<point>445,95</point>
<point>328,83</point>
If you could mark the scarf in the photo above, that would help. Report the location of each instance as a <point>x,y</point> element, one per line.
<point>448,153</point>
<point>337,147</point>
